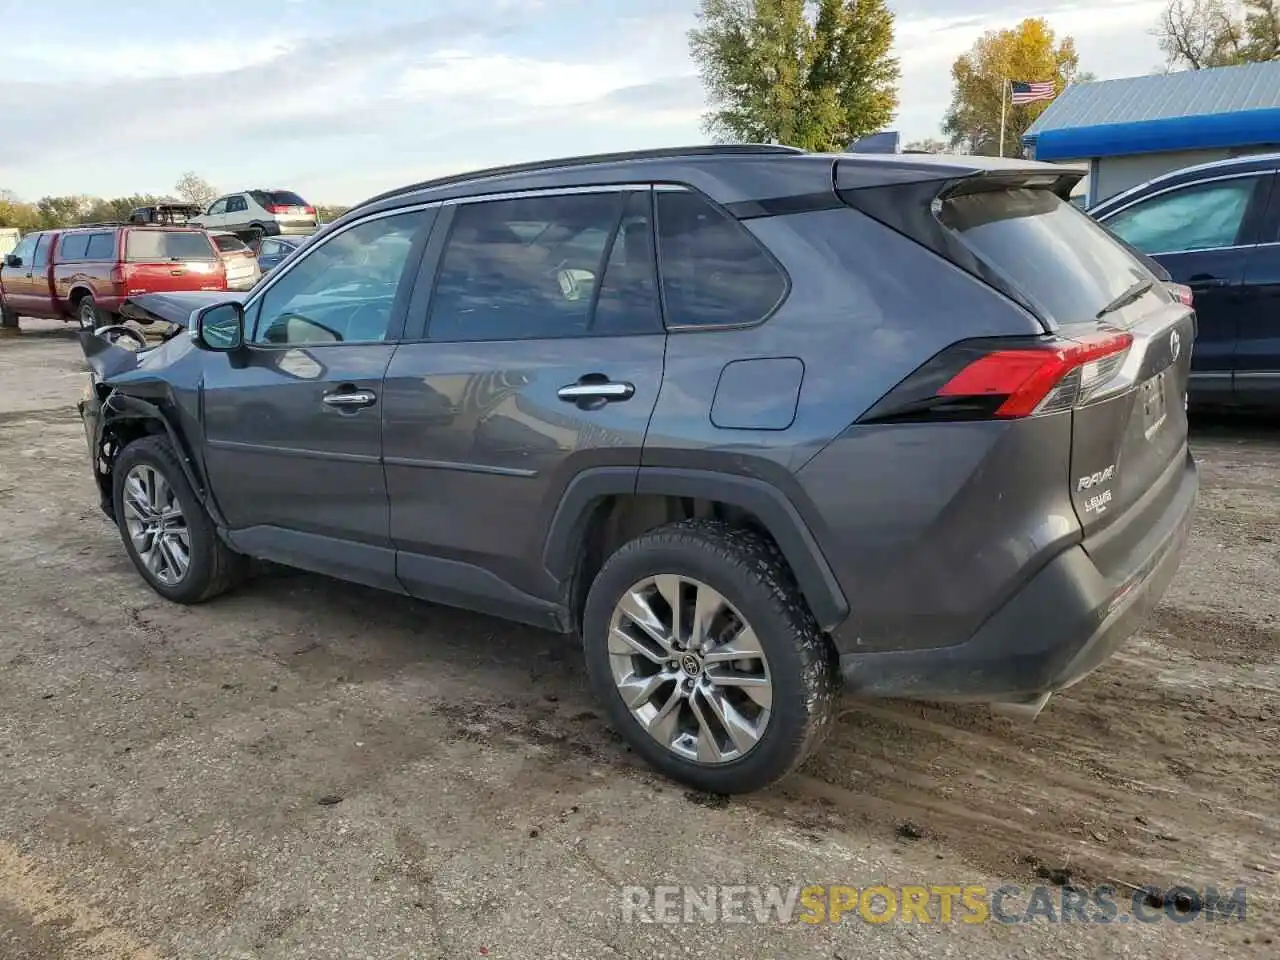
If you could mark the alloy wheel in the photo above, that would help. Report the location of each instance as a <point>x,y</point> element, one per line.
<point>156,524</point>
<point>88,315</point>
<point>690,668</point>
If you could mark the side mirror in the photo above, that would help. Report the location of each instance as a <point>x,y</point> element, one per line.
<point>220,327</point>
<point>12,261</point>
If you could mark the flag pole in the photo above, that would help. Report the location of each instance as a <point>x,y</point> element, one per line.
<point>1004,90</point>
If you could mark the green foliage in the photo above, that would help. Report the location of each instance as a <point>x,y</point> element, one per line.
<point>1028,52</point>
<point>809,73</point>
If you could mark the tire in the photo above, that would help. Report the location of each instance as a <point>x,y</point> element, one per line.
<point>88,316</point>
<point>212,567</point>
<point>796,674</point>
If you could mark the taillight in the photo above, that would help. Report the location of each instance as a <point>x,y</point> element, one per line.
<point>1183,293</point>
<point>310,210</point>
<point>1007,379</point>
<point>277,208</point>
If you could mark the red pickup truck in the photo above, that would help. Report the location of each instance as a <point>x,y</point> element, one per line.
<point>85,273</point>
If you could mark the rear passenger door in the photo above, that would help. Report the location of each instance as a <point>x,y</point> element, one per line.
<point>540,355</point>
<point>1257,361</point>
<point>1203,233</point>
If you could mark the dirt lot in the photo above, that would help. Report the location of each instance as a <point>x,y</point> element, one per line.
<point>314,770</point>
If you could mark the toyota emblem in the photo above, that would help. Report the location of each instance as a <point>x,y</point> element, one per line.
<point>1175,345</point>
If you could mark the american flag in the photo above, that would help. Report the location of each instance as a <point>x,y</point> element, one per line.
<point>1021,92</point>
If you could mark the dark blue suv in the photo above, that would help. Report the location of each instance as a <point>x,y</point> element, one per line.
<point>749,421</point>
<point>1216,228</point>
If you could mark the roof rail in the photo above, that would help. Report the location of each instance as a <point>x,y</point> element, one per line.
<point>101,223</point>
<point>704,150</point>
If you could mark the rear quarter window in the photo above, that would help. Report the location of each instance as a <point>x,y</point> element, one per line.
<point>161,245</point>
<point>102,246</point>
<point>1051,252</point>
<point>74,246</point>
<point>714,272</point>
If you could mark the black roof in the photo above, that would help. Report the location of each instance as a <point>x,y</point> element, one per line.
<point>540,166</point>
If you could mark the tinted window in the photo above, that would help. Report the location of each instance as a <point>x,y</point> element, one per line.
<point>285,198</point>
<point>1205,216</point>
<point>228,244</point>
<point>1057,256</point>
<point>102,246</point>
<point>236,204</point>
<point>41,256</point>
<point>154,245</point>
<point>74,246</point>
<point>268,248</point>
<point>529,268</point>
<point>713,270</point>
<point>342,290</point>
<point>628,298</point>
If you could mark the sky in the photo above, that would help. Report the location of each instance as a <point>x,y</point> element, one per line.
<point>341,99</point>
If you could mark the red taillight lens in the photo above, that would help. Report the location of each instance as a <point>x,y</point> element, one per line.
<point>309,210</point>
<point>277,208</point>
<point>1042,380</point>
<point>1008,377</point>
<point>1183,294</point>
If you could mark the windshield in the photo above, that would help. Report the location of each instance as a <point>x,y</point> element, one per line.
<point>1056,255</point>
<point>168,245</point>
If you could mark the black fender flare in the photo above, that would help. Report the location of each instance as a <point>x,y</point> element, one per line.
<point>770,505</point>
<point>121,406</point>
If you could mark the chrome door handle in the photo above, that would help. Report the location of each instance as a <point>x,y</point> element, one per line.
<point>607,391</point>
<point>357,398</point>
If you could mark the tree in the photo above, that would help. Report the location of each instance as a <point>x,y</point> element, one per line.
<point>64,211</point>
<point>1027,52</point>
<point>329,213</point>
<point>195,189</point>
<point>1198,34</point>
<point>927,145</point>
<point>809,73</point>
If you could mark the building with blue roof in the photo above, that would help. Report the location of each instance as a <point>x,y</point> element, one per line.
<point>1131,130</point>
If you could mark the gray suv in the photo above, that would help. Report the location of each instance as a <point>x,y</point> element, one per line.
<point>754,423</point>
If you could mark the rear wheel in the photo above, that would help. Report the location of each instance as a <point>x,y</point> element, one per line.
<point>87,313</point>
<point>165,529</point>
<point>707,658</point>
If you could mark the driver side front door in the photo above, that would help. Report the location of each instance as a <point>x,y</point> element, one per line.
<point>293,421</point>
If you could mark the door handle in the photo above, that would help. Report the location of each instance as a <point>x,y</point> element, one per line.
<point>596,392</point>
<point>1204,283</point>
<point>351,399</point>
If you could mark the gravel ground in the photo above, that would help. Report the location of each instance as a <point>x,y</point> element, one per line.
<point>315,770</point>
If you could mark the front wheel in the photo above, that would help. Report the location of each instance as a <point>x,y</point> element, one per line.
<point>166,531</point>
<point>707,658</point>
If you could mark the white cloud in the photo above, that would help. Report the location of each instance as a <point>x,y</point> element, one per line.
<point>528,81</point>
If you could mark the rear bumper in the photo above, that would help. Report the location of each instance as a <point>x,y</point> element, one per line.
<point>1053,632</point>
<point>241,284</point>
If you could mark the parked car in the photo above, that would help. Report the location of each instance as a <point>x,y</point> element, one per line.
<point>255,214</point>
<point>166,213</point>
<point>1216,228</point>
<point>240,261</point>
<point>747,420</point>
<point>274,249</point>
<point>85,273</point>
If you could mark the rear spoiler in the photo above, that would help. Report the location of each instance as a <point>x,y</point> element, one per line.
<point>903,198</point>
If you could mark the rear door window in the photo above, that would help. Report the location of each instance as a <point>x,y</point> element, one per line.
<point>1051,252</point>
<point>102,246</point>
<point>547,266</point>
<point>1202,216</point>
<point>714,272</point>
<point>162,245</point>
<point>75,246</point>
<point>41,257</point>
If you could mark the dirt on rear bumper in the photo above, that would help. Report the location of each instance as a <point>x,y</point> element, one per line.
<point>1064,623</point>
